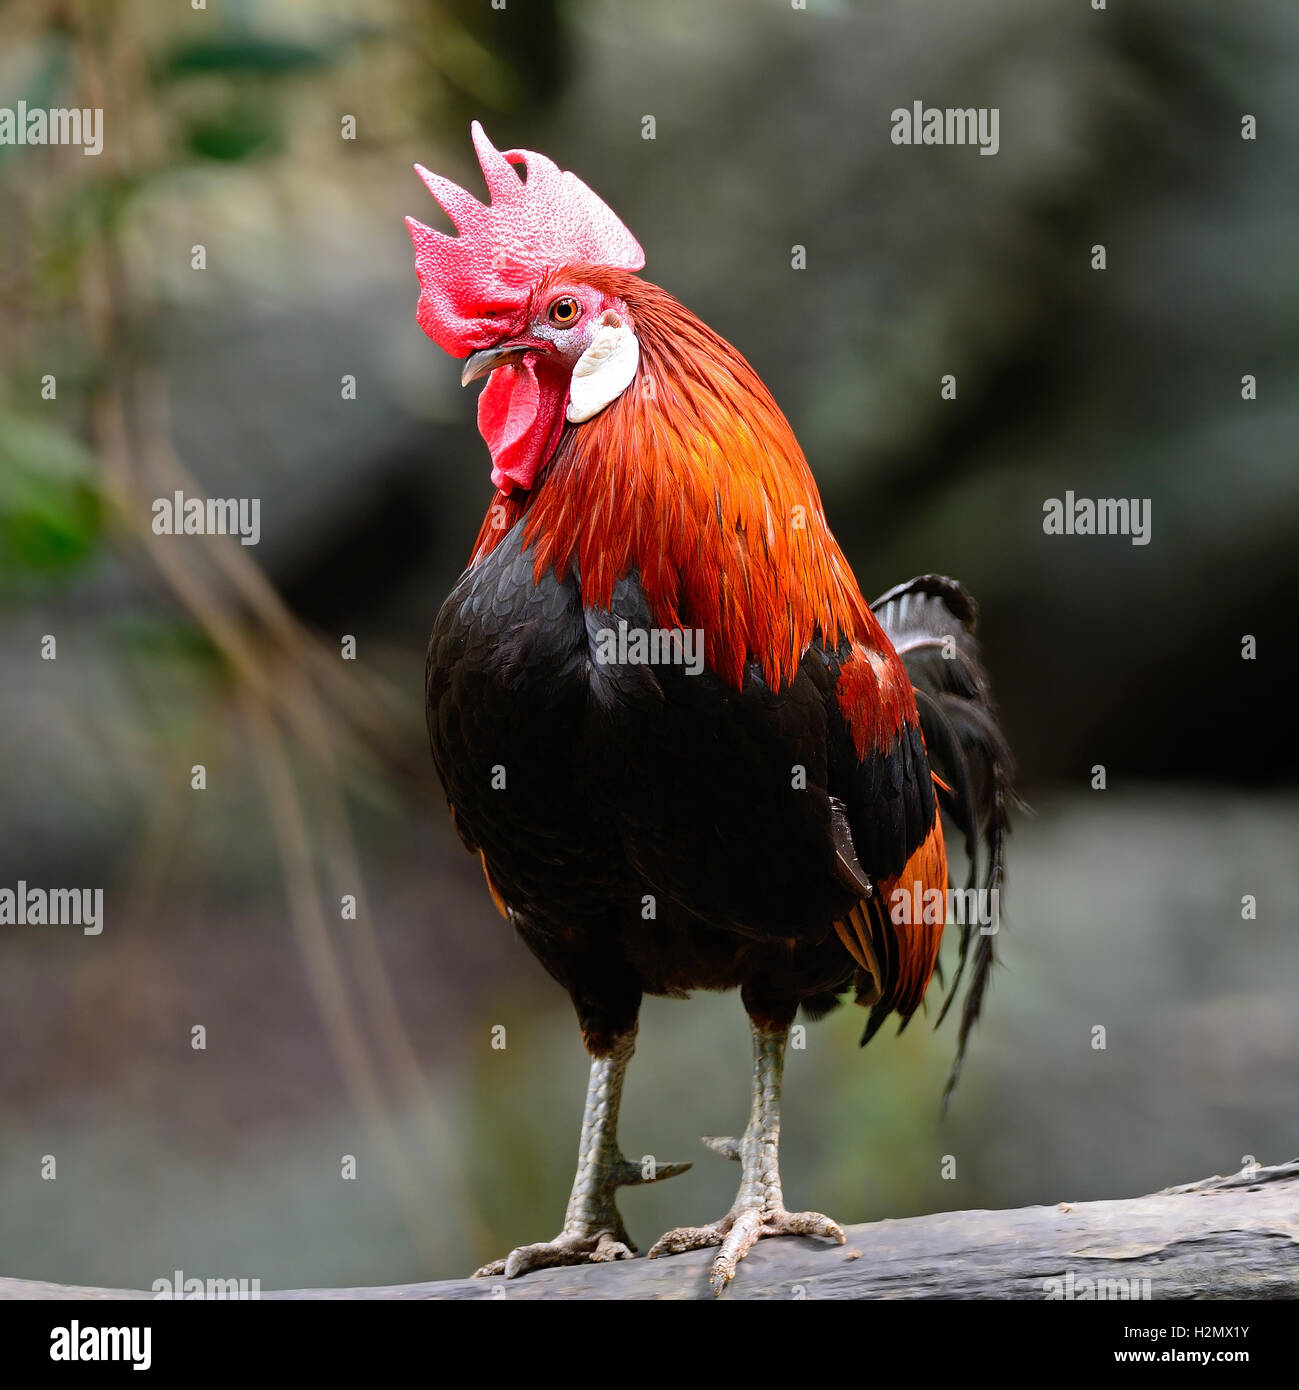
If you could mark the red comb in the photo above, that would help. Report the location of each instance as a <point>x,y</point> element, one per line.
<point>506,246</point>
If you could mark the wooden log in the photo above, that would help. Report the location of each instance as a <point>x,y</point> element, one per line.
<point>1234,1237</point>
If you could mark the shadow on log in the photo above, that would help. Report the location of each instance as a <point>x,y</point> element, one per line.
<point>1235,1238</point>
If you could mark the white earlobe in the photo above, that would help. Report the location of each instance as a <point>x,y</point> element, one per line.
<point>603,372</point>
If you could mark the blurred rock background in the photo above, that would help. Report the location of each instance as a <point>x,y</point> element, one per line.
<point>373,1038</point>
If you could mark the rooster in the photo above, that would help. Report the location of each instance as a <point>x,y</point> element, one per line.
<point>688,752</point>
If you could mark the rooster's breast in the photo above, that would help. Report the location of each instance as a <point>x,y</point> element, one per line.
<point>507,703</point>
<point>590,784</point>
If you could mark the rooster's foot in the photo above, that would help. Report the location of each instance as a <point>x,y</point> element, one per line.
<point>738,1231</point>
<point>759,1208</point>
<point>593,1231</point>
<point>575,1246</point>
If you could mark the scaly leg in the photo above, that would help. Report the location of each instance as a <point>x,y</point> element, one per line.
<point>593,1229</point>
<point>759,1208</point>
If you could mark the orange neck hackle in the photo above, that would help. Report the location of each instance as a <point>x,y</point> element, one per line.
<point>693,479</point>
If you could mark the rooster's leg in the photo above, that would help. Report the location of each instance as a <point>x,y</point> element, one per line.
<point>593,1229</point>
<point>759,1208</point>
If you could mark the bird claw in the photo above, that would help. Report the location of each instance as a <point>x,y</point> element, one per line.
<point>683,1238</point>
<point>738,1232</point>
<point>568,1248</point>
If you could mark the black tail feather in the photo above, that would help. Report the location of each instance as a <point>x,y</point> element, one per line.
<point>933,624</point>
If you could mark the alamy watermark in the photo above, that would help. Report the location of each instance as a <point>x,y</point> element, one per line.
<point>53,907</point>
<point>179,515</point>
<point>180,1286</point>
<point>75,1342</point>
<point>1121,1289</point>
<point>1097,516</point>
<point>62,125</point>
<point>919,124</point>
<point>652,646</point>
<point>933,907</point>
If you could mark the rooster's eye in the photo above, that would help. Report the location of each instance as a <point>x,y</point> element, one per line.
<point>565,311</point>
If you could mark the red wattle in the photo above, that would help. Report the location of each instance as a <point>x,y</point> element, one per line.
<point>519,415</point>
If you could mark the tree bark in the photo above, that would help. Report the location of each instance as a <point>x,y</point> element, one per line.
<point>1233,1237</point>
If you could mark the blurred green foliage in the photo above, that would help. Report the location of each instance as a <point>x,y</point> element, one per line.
<point>51,515</point>
<point>242,50</point>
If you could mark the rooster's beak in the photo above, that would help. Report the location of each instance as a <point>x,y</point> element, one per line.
<point>480,363</point>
